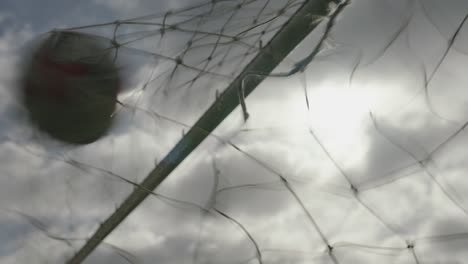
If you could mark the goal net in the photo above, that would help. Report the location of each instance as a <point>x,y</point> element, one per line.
<point>259,131</point>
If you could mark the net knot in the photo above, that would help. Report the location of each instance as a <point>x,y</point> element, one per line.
<point>115,44</point>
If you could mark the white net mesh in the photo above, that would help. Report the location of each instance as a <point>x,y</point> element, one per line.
<point>350,151</point>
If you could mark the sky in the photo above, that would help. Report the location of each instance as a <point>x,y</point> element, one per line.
<point>363,151</point>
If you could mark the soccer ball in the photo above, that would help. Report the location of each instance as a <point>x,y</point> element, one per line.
<point>69,87</point>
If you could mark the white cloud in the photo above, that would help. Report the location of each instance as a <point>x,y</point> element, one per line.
<point>72,201</point>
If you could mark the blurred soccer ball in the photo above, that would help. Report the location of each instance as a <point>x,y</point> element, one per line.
<point>69,87</point>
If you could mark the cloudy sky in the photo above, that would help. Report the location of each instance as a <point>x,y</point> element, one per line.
<point>374,166</point>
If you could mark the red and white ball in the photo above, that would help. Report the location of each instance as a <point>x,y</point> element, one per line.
<point>69,87</point>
